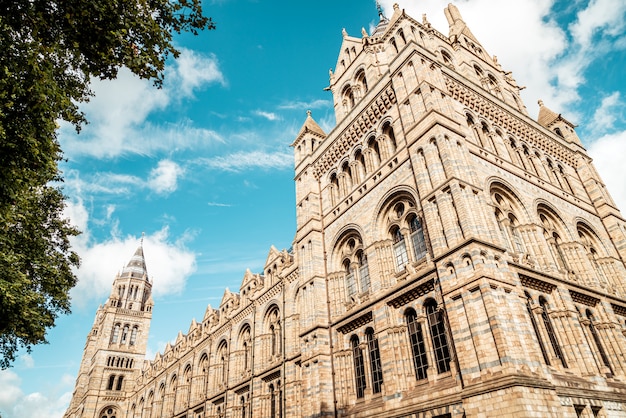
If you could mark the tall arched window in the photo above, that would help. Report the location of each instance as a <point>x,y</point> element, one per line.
<point>376,367</point>
<point>133,335</point>
<point>374,149</point>
<point>438,336</point>
<point>359,367</point>
<point>364,273</point>
<point>350,279</point>
<point>399,248</point>
<point>124,334</point>
<point>120,380</point>
<point>550,330</point>
<point>273,408</point>
<point>418,348</point>
<point>116,333</point>
<point>391,137</point>
<point>222,356</point>
<point>111,382</point>
<point>417,238</point>
<point>597,341</point>
<point>533,322</point>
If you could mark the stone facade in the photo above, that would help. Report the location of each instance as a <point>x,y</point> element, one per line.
<point>453,258</point>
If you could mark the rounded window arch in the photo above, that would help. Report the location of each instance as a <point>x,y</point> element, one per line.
<point>359,366</point>
<point>387,130</point>
<point>507,211</point>
<point>438,335</point>
<point>273,327</point>
<point>447,58</point>
<point>361,80</point>
<point>405,228</point>
<point>555,233</point>
<point>418,346</point>
<point>347,96</point>
<point>349,250</point>
<point>109,412</point>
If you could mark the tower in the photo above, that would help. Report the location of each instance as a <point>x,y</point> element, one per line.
<point>116,346</point>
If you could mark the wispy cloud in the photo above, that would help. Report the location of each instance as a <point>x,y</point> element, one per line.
<point>267,115</point>
<point>120,108</point>
<point>605,116</point>
<point>242,161</point>
<point>315,104</point>
<point>219,205</point>
<point>162,180</point>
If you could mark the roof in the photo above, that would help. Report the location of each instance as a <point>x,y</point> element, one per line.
<point>136,267</point>
<point>310,126</point>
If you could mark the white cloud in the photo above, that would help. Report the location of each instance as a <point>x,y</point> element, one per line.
<point>315,104</point>
<point>605,115</point>
<point>117,113</point>
<point>600,17</point>
<point>241,161</point>
<point>15,404</point>
<point>194,70</point>
<point>608,158</point>
<point>168,260</point>
<point>163,178</point>
<point>267,115</point>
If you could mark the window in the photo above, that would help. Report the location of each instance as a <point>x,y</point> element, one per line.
<point>364,273</point>
<point>535,328</point>
<point>550,330</point>
<point>359,367</point>
<point>375,363</point>
<point>417,238</point>
<point>399,248</point>
<point>124,334</point>
<point>350,279</point>
<point>597,341</point>
<point>418,348</point>
<point>111,382</point>
<point>438,336</point>
<point>116,333</point>
<point>120,380</point>
<point>133,335</point>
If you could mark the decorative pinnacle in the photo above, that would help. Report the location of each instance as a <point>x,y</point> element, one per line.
<point>380,10</point>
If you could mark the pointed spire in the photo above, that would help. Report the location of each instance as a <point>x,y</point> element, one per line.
<point>310,126</point>
<point>457,24</point>
<point>136,267</point>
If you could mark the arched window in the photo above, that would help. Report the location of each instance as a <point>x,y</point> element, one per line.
<point>447,59</point>
<point>116,333</point>
<point>438,336</point>
<point>359,367</point>
<point>376,367</point>
<point>364,273</point>
<point>350,279</point>
<point>111,382</point>
<point>399,248</point>
<point>223,361</point>
<point>108,412</point>
<point>388,131</point>
<point>120,380</point>
<point>372,145</point>
<point>550,330</point>
<point>272,401</point>
<point>133,335</point>
<point>417,238</point>
<point>242,405</point>
<point>418,348</point>
<point>533,322</point>
<point>124,334</point>
<point>598,342</point>
<point>362,81</point>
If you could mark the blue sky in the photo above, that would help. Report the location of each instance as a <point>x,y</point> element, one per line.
<point>203,167</point>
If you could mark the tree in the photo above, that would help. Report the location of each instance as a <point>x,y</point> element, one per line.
<point>49,51</point>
